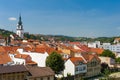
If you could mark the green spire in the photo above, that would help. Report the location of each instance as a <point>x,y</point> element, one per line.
<point>19,22</point>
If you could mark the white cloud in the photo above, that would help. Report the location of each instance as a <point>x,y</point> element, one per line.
<point>12,19</point>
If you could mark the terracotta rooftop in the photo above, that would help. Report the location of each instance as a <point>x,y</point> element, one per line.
<point>4,58</point>
<point>88,57</point>
<point>76,60</point>
<point>83,48</point>
<point>10,48</point>
<point>97,50</point>
<point>31,62</point>
<point>24,56</point>
<point>75,43</point>
<point>2,49</point>
<point>76,50</point>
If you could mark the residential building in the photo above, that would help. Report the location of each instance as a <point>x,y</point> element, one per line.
<point>79,46</point>
<point>113,48</point>
<point>38,58</point>
<point>95,44</point>
<point>108,60</point>
<point>21,72</point>
<point>93,63</point>
<point>97,51</point>
<point>64,49</point>
<point>19,59</point>
<point>2,41</point>
<point>116,40</point>
<point>40,73</point>
<point>76,67</point>
<point>16,72</point>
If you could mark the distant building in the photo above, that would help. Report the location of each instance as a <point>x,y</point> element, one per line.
<point>116,40</point>
<point>20,30</point>
<point>2,41</point>
<point>113,48</point>
<point>95,44</point>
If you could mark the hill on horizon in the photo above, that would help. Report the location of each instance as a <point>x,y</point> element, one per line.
<point>6,33</point>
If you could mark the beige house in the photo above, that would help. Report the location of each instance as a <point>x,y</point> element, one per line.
<point>108,60</point>
<point>93,67</point>
<point>93,64</point>
<point>64,49</point>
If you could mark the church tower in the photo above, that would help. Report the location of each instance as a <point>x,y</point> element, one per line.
<point>20,30</point>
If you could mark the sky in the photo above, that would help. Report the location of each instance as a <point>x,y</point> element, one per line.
<point>77,18</point>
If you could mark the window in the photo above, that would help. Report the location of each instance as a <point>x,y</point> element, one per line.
<point>41,79</point>
<point>76,69</point>
<point>80,68</point>
<point>48,78</point>
<point>84,68</point>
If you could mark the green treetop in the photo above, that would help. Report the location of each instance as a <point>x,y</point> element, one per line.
<point>55,62</point>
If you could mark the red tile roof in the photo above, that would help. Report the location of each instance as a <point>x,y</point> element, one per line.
<point>23,56</point>
<point>4,58</point>
<point>31,62</point>
<point>76,60</point>
<point>88,57</point>
<point>10,48</point>
<point>75,43</point>
<point>76,50</point>
<point>2,50</point>
<point>83,48</point>
<point>97,50</point>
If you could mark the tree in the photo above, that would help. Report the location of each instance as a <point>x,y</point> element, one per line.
<point>108,53</point>
<point>55,62</point>
<point>117,60</point>
<point>107,73</point>
<point>104,66</point>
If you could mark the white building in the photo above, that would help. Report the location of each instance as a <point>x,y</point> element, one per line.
<point>16,61</point>
<point>95,44</point>
<point>113,48</point>
<point>75,67</point>
<point>39,58</point>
